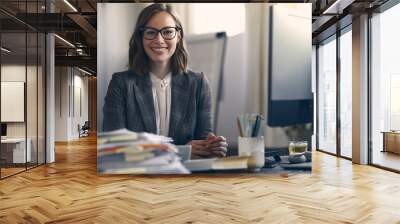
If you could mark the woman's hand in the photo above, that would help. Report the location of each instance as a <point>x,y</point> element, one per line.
<point>214,146</point>
<point>217,145</point>
<point>199,149</point>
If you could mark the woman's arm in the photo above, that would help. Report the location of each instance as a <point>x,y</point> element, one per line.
<point>206,144</point>
<point>203,118</point>
<point>114,105</point>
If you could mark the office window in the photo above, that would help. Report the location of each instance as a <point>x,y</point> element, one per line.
<point>346,93</point>
<point>385,88</point>
<point>327,95</point>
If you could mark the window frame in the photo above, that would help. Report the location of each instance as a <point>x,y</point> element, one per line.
<point>371,14</point>
<point>334,37</point>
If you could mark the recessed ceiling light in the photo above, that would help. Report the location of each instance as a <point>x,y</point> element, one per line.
<point>338,6</point>
<point>5,50</point>
<point>64,40</point>
<point>84,71</point>
<point>70,5</point>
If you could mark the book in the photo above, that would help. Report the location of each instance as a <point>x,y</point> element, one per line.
<point>227,163</point>
<point>230,163</point>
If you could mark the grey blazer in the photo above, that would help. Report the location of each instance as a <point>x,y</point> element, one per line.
<point>129,104</point>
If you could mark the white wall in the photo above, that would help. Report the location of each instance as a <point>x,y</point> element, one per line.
<point>79,117</point>
<point>33,126</point>
<point>61,103</point>
<point>67,115</point>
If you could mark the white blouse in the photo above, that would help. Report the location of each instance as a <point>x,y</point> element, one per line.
<point>162,102</point>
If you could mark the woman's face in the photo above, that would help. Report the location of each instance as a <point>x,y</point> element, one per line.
<point>159,49</point>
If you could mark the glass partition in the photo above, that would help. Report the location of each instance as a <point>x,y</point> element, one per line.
<point>13,107</point>
<point>22,88</point>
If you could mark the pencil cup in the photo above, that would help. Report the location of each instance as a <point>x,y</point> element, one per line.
<point>253,147</point>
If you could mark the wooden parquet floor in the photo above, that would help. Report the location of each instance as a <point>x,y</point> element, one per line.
<point>70,191</point>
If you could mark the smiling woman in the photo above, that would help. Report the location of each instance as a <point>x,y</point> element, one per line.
<point>159,94</point>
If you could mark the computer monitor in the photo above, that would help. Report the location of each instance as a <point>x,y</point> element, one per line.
<point>290,99</point>
<point>3,129</point>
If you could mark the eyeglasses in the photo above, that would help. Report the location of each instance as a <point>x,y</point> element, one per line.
<point>168,33</point>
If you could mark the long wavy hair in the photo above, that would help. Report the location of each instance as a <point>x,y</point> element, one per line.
<point>139,62</point>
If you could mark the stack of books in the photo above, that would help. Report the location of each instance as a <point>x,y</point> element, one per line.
<point>126,152</point>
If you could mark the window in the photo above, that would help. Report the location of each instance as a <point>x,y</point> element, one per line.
<point>394,102</point>
<point>346,93</point>
<point>385,87</point>
<point>327,95</point>
<point>335,74</point>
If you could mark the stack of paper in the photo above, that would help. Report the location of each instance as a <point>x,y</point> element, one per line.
<point>126,152</point>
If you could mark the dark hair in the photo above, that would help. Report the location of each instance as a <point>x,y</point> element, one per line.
<point>139,62</point>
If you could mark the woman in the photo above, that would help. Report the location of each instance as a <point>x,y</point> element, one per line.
<point>158,94</point>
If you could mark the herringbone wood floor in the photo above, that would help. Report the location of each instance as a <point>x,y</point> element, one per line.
<point>70,191</point>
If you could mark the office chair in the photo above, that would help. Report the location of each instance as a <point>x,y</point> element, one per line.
<point>84,130</point>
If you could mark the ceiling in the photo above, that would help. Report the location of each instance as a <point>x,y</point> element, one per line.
<point>76,23</point>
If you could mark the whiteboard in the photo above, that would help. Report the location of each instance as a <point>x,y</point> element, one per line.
<point>207,54</point>
<point>12,101</point>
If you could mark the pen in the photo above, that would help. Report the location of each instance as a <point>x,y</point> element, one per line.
<point>240,127</point>
<point>255,127</point>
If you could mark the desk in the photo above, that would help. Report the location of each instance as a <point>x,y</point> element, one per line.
<point>391,141</point>
<point>13,150</point>
<point>274,170</point>
<point>281,166</point>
